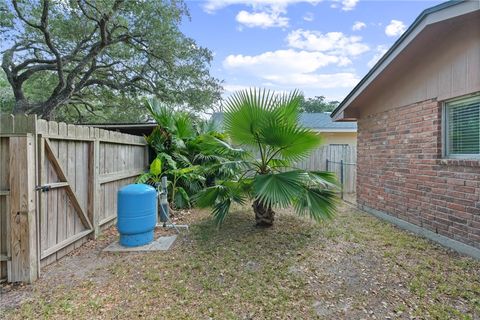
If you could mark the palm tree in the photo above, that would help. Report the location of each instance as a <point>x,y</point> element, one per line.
<point>267,125</point>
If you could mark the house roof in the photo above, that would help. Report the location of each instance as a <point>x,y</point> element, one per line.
<point>317,121</point>
<point>138,129</point>
<point>430,16</point>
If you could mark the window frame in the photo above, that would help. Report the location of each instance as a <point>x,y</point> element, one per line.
<point>445,136</point>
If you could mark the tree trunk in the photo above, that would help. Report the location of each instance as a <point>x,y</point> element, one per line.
<point>263,216</point>
<point>21,106</point>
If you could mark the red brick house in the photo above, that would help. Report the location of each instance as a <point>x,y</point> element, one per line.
<point>418,117</point>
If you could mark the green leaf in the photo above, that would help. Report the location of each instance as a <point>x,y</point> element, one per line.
<point>182,200</point>
<point>279,189</point>
<point>156,167</point>
<point>144,178</point>
<point>183,171</point>
<point>166,158</point>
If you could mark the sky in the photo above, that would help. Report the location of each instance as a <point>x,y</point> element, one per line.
<point>322,48</point>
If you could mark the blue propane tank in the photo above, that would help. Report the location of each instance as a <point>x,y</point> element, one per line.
<point>137,214</point>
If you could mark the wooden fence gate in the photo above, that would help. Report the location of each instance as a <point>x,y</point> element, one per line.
<point>58,187</point>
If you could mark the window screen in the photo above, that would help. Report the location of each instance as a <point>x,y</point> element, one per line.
<point>463,127</point>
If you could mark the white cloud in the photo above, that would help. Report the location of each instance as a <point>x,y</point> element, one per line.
<point>301,65</point>
<point>395,28</point>
<point>348,5</point>
<point>281,62</point>
<point>345,5</point>
<point>308,17</point>
<point>332,42</point>
<point>265,13</point>
<point>358,25</point>
<point>235,87</point>
<point>316,80</point>
<point>262,19</point>
<point>379,52</point>
<point>292,68</point>
<point>211,6</point>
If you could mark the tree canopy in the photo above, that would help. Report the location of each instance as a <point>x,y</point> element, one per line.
<point>74,57</point>
<point>317,104</point>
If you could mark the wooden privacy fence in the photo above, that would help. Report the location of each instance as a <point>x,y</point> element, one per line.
<point>340,159</point>
<point>58,186</point>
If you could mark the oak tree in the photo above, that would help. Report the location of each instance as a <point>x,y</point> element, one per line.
<point>93,53</point>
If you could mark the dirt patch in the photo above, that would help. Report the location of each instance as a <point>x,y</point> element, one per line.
<point>87,263</point>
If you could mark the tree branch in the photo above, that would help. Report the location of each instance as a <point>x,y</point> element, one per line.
<point>21,17</point>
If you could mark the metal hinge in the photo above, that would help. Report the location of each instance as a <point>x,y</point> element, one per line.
<point>43,188</point>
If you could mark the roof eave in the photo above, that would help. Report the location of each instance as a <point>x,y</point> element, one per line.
<point>327,130</point>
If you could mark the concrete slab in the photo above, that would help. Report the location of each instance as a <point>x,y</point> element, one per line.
<point>161,244</point>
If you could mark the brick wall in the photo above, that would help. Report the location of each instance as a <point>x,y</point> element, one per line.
<point>401,172</point>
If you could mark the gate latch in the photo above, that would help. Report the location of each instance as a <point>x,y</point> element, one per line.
<point>43,188</point>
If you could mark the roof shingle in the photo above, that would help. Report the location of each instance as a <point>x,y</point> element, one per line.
<point>316,121</point>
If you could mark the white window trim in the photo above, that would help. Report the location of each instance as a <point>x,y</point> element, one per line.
<point>445,152</point>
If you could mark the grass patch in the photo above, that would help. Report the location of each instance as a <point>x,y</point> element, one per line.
<point>353,267</point>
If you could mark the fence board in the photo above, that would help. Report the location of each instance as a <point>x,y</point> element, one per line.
<point>23,229</point>
<point>52,196</point>
<point>4,186</point>
<point>334,154</point>
<point>62,205</point>
<point>70,165</point>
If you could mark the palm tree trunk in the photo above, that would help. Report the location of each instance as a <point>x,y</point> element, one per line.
<point>263,216</point>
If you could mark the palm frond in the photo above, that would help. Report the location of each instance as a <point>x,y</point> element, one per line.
<point>245,113</point>
<point>234,166</point>
<point>157,139</point>
<point>220,211</point>
<point>279,189</point>
<point>323,179</point>
<point>318,204</point>
<point>288,107</point>
<point>290,142</point>
<point>161,113</point>
<point>208,196</point>
<point>278,163</point>
<point>207,126</point>
<point>220,197</point>
<point>143,178</point>
<point>182,160</point>
<point>183,126</point>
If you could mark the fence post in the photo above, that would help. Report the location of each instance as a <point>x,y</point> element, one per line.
<point>93,181</point>
<point>23,266</point>
<point>327,165</point>
<point>341,175</point>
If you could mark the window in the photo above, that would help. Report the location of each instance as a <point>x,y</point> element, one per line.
<point>462,128</point>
